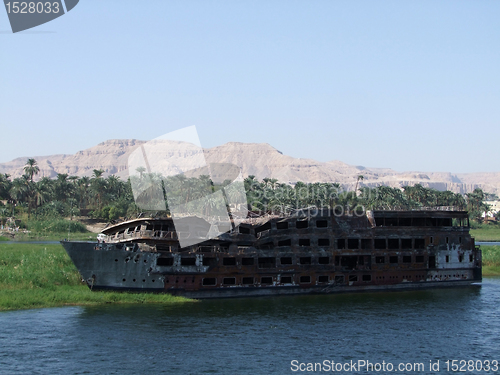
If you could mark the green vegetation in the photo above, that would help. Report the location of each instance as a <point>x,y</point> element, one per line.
<point>3,238</point>
<point>486,232</point>
<point>33,276</point>
<point>491,260</point>
<point>40,206</point>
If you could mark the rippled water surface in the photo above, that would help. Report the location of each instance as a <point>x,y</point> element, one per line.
<point>255,336</point>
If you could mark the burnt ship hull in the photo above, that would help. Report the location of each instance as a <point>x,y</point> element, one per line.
<point>383,250</point>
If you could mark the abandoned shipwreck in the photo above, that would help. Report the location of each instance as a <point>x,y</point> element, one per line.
<point>301,253</point>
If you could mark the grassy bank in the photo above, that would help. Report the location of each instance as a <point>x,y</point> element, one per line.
<point>56,236</point>
<point>34,275</point>
<point>49,230</point>
<point>491,260</point>
<point>486,232</point>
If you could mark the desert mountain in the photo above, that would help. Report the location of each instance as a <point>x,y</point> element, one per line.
<point>261,160</point>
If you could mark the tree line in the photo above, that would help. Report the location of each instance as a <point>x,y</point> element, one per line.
<point>111,198</point>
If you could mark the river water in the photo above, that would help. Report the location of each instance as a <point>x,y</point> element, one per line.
<point>258,335</point>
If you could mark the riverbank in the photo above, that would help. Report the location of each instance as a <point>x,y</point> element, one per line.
<point>491,260</point>
<point>486,233</point>
<point>41,275</point>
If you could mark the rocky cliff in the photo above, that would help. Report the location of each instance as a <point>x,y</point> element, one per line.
<point>261,160</point>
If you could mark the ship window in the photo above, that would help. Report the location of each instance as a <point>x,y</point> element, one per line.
<point>188,261</point>
<point>229,281</point>
<point>305,260</point>
<point>418,221</point>
<point>341,243</point>
<point>163,247</point>
<point>432,261</point>
<point>264,227</point>
<point>471,258</point>
<point>391,222</point>
<point>366,243</point>
<point>286,260</point>
<point>367,277</point>
<point>266,280</point>
<point>361,260</point>
<point>304,242</point>
<point>247,261</point>
<point>247,280</point>
<point>339,279</point>
<point>209,281</point>
<point>353,277</point>
<point>300,224</point>
<point>380,244</point>
<point>149,227</point>
<point>419,259</point>
<point>165,261</point>
<point>323,260</point>
<point>379,260</point>
<point>229,261</point>
<point>393,243</point>
<point>447,259</point>
<point>349,262</point>
<point>431,239</point>
<point>406,243</point>
<point>459,239</point>
<point>447,239</point>
<point>353,243</point>
<point>286,279</point>
<point>322,279</point>
<point>321,223</point>
<point>205,249</point>
<point>405,222</point>
<point>419,243</point>
<point>393,259</point>
<point>460,258</point>
<point>244,230</point>
<point>285,243</point>
<point>282,225</point>
<point>337,260</point>
<point>209,261</point>
<point>267,262</point>
<point>267,245</point>
<point>305,279</point>
<point>323,242</point>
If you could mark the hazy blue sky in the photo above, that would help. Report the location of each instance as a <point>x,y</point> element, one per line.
<point>411,85</point>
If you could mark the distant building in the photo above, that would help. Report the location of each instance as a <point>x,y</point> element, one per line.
<point>491,214</point>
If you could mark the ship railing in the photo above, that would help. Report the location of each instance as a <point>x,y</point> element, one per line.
<point>441,208</point>
<point>208,249</point>
<point>147,233</point>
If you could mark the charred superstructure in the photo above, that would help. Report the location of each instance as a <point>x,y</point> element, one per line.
<point>312,251</point>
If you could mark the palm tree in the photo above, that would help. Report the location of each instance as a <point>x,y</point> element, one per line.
<point>62,187</point>
<point>42,191</point>
<point>5,185</point>
<point>31,169</point>
<point>97,184</point>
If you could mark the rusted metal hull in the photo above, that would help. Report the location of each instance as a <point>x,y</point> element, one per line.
<point>385,250</point>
